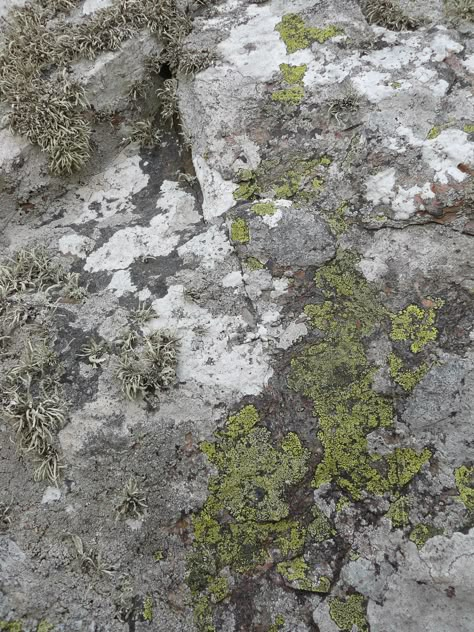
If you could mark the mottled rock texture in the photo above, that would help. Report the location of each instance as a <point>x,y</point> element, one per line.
<point>236,298</point>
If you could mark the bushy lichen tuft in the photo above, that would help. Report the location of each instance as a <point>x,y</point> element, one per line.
<point>296,35</point>
<point>349,613</point>
<point>239,231</point>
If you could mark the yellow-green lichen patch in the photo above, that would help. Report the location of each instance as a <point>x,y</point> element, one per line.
<point>320,528</point>
<point>246,511</point>
<point>399,512</point>
<point>469,128</point>
<point>219,589</point>
<point>158,555</point>
<point>239,231</point>
<point>248,187</point>
<point>293,74</point>
<point>296,570</point>
<point>337,219</point>
<point>349,613</point>
<point>464,477</point>
<point>416,325</point>
<point>292,95</point>
<point>11,626</point>
<point>296,35</point>
<point>264,208</point>
<point>336,375</point>
<point>421,533</point>
<point>44,626</point>
<point>254,264</point>
<point>406,378</point>
<point>148,608</point>
<point>434,132</point>
<point>277,624</point>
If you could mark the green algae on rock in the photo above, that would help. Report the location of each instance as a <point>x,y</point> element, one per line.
<point>348,613</point>
<point>296,35</point>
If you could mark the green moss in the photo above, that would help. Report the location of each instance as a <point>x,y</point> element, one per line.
<point>320,529</point>
<point>416,324</point>
<point>148,608</point>
<point>399,512</point>
<point>292,95</point>
<point>254,264</point>
<point>469,129</point>
<point>296,35</point>
<point>421,533</point>
<point>434,132</point>
<point>219,589</point>
<point>263,208</point>
<point>239,231</point>
<point>464,477</point>
<point>336,375</point>
<point>293,74</point>
<point>296,571</point>
<point>348,613</point>
<point>406,378</point>
<point>44,626</point>
<point>11,626</point>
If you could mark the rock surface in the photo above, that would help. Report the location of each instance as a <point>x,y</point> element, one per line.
<point>291,262</point>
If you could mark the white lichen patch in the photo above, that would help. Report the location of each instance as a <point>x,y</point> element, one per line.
<point>227,360</point>
<point>217,193</point>
<point>211,247</point>
<point>159,238</point>
<point>75,244</point>
<point>121,283</point>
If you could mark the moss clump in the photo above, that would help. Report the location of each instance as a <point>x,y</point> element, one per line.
<point>293,74</point>
<point>296,571</point>
<point>296,35</point>
<point>337,376</point>
<point>399,512</point>
<point>320,529</point>
<point>406,378</point>
<point>263,208</point>
<point>292,95</point>
<point>348,613</point>
<point>246,511</point>
<point>148,608</point>
<point>421,533</point>
<point>416,324</point>
<point>464,477</point>
<point>239,231</point>
<point>254,264</point>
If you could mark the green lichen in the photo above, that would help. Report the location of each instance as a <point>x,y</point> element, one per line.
<point>416,324</point>
<point>148,608</point>
<point>396,84</point>
<point>320,529</point>
<point>278,623</point>
<point>254,264</point>
<point>293,74</point>
<point>336,375</point>
<point>434,132</point>
<point>421,533</point>
<point>469,129</point>
<point>342,503</point>
<point>219,589</point>
<point>296,35</point>
<point>296,572</point>
<point>239,231</point>
<point>348,613</point>
<point>263,208</point>
<point>337,219</point>
<point>246,511</point>
<point>248,187</point>
<point>11,626</point>
<point>464,477</point>
<point>399,512</point>
<point>292,95</point>
<point>44,626</point>
<point>406,378</point>
<point>158,555</point>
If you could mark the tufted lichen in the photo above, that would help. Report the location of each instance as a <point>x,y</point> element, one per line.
<point>464,477</point>
<point>336,375</point>
<point>406,378</point>
<point>239,231</point>
<point>349,613</point>
<point>416,325</point>
<point>296,35</point>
